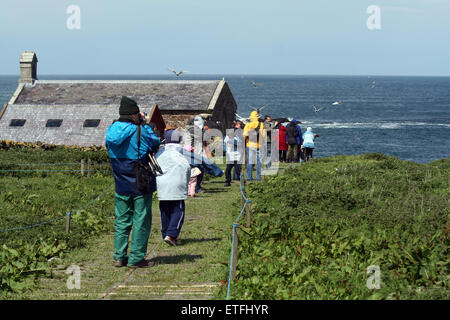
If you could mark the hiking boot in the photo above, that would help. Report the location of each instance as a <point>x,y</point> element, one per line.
<point>170,240</point>
<point>227,184</point>
<point>120,263</point>
<point>142,264</point>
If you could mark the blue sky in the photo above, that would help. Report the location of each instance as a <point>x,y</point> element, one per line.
<point>228,37</point>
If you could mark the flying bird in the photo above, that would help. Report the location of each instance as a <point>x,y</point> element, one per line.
<point>177,73</point>
<point>316,110</point>
<point>256,85</point>
<point>240,118</point>
<point>336,103</point>
<point>257,109</point>
<point>374,83</point>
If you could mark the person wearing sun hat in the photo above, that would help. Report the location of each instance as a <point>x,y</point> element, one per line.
<point>132,206</point>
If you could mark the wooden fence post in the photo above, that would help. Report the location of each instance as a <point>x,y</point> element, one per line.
<point>89,168</point>
<point>68,217</point>
<point>249,204</point>
<point>82,167</point>
<point>235,252</point>
<point>242,191</point>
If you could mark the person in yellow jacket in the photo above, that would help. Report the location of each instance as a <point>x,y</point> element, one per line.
<point>255,135</point>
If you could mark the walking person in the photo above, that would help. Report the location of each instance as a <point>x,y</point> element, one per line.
<point>132,206</point>
<point>254,135</point>
<point>172,186</point>
<point>234,144</point>
<point>293,139</point>
<point>308,143</point>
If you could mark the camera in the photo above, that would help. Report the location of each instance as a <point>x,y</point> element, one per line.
<point>145,119</point>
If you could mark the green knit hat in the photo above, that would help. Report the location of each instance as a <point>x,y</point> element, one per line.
<point>128,106</point>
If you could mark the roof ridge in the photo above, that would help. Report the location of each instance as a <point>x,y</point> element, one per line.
<point>124,81</point>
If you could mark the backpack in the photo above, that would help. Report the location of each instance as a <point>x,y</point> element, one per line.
<point>144,173</point>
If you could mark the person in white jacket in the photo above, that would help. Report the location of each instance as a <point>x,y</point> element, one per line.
<point>172,186</point>
<point>234,146</point>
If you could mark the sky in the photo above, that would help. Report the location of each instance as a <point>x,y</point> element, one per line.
<point>292,37</point>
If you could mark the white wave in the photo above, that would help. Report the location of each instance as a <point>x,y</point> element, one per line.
<point>371,125</point>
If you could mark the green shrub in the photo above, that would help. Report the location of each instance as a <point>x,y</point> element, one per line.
<point>33,197</point>
<point>318,227</point>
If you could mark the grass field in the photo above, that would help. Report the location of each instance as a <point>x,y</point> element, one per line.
<point>315,230</point>
<point>196,267</point>
<point>319,230</point>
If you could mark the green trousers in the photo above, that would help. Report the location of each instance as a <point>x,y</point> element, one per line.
<point>132,213</point>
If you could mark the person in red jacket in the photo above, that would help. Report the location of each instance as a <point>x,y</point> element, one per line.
<point>282,145</point>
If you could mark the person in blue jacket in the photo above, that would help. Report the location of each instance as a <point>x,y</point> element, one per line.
<point>132,207</point>
<point>308,143</point>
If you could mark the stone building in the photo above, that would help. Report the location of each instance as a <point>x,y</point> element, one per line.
<point>78,112</point>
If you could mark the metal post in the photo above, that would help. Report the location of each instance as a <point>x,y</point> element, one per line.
<point>235,251</point>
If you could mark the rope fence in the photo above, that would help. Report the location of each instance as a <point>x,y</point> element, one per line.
<point>85,167</point>
<point>246,206</point>
<point>67,215</point>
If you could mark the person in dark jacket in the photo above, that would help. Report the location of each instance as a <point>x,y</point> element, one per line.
<point>294,140</point>
<point>132,207</point>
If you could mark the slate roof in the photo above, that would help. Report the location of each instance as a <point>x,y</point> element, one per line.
<point>173,95</point>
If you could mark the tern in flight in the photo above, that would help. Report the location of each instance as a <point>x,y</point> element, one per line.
<point>257,109</point>
<point>177,73</point>
<point>316,110</point>
<point>336,103</point>
<point>256,85</point>
<point>240,118</point>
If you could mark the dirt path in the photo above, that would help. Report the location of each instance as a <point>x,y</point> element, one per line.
<point>192,270</point>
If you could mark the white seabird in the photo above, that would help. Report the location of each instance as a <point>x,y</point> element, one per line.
<point>177,73</point>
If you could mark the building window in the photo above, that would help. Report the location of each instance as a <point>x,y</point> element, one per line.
<point>17,122</point>
<point>91,123</point>
<point>54,123</point>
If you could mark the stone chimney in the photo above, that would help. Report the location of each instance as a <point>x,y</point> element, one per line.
<point>28,67</point>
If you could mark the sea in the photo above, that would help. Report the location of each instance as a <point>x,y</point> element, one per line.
<point>402,116</point>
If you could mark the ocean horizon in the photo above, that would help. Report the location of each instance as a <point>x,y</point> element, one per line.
<point>403,116</point>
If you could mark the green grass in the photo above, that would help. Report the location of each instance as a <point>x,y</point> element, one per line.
<point>319,226</point>
<point>315,229</point>
<point>27,198</point>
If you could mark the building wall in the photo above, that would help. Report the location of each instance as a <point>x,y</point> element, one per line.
<point>225,109</point>
<point>178,119</point>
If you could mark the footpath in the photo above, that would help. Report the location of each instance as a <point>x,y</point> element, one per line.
<point>195,269</point>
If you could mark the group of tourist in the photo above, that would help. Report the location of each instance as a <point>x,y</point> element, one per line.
<point>255,137</point>
<point>182,161</point>
<point>294,146</point>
